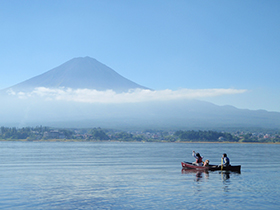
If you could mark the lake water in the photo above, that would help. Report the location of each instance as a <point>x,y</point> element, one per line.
<point>112,175</point>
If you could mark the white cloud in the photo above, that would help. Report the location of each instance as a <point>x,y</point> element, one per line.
<point>133,96</point>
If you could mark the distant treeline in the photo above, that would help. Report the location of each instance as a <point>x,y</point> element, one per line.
<point>93,134</point>
<point>31,133</point>
<point>211,136</point>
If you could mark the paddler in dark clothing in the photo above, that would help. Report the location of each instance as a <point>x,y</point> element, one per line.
<point>198,158</point>
<point>225,160</point>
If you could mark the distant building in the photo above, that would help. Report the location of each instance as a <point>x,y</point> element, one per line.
<point>221,138</point>
<point>54,134</point>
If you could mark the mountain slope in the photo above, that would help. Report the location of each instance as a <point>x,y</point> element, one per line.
<point>79,73</point>
<point>87,73</point>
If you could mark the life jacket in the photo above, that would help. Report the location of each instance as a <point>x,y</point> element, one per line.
<point>199,160</point>
<point>226,161</point>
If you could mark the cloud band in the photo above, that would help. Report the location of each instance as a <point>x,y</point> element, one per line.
<point>132,96</point>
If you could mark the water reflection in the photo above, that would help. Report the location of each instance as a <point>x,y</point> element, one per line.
<point>225,175</point>
<point>198,173</point>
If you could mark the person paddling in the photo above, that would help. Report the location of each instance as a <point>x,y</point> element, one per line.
<point>198,158</point>
<point>225,160</point>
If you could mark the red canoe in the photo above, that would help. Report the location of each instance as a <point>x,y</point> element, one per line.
<point>188,165</point>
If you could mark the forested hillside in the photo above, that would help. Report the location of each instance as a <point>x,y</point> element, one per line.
<point>41,133</point>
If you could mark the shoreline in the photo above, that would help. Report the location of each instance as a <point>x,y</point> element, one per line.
<point>161,141</point>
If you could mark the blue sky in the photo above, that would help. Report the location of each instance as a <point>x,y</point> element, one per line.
<point>178,44</point>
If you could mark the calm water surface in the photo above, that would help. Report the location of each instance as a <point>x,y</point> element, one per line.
<point>88,175</point>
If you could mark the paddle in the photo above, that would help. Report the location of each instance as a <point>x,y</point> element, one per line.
<point>221,164</point>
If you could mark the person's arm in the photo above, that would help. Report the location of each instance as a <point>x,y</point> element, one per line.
<point>194,155</point>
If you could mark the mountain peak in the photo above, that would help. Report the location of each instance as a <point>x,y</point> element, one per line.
<point>80,73</point>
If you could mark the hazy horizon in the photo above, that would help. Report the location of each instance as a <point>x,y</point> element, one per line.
<point>222,53</point>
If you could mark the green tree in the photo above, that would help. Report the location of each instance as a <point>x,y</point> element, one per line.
<point>124,136</point>
<point>99,134</point>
